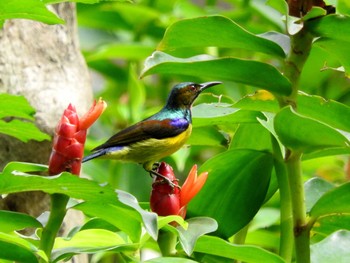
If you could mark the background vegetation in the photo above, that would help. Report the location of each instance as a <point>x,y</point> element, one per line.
<point>274,134</point>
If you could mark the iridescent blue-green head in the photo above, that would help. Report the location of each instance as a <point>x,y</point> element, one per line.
<point>183,94</point>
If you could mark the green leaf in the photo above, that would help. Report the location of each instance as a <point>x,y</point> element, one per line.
<point>15,106</point>
<point>197,227</point>
<point>235,189</point>
<point>17,249</point>
<point>23,131</point>
<point>337,48</point>
<point>328,225</point>
<point>209,136</point>
<point>246,253</point>
<point>335,201</point>
<point>170,260</point>
<point>28,9</point>
<point>334,248</point>
<point>215,31</point>
<point>238,70</point>
<point>329,112</point>
<point>89,241</point>
<point>314,189</point>
<point>303,134</point>
<point>75,187</point>
<point>121,217</point>
<point>331,27</point>
<point>12,221</point>
<point>220,113</point>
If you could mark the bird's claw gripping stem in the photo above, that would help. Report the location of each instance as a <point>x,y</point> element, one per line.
<point>167,180</point>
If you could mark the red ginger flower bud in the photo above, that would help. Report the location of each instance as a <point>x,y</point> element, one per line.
<point>169,200</point>
<point>69,139</point>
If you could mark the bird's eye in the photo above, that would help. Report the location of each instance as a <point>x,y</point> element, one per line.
<point>192,87</point>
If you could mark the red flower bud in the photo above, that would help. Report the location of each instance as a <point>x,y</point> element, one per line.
<point>70,136</point>
<point>167,199</point>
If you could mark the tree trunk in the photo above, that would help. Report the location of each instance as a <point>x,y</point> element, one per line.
<point>43,63</point>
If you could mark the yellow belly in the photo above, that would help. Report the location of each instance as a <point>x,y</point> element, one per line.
<point>151,150</point>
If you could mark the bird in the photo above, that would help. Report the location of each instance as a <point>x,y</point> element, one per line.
<point>157,136</point>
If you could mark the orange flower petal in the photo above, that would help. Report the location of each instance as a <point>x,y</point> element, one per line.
<point>92,115</point>
<point>192,185</point>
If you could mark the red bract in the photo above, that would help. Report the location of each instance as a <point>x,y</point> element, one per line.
<point>69,139</point>
<point>169,200</point>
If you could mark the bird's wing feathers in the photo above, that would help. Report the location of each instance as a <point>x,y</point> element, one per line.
<point>149,128</point>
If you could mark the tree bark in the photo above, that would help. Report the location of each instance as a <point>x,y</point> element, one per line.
<point>44,64</point>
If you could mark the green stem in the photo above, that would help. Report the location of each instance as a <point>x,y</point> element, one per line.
<point>301,231</point>
<point>287,237</point>
<point>167,243</point>
<point>58,212</point>
<point>239,238</point>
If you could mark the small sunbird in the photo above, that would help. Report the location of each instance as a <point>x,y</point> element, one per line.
<point>158,136</point>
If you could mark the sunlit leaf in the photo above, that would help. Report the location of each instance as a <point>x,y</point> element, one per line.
<point>12,221</point>
<point>23,131</point>
<point>334,248</point>
<point>335,201</point>
<point>89,241</point>
<point>248,72</point>
<point>15,106</point>
<point>28,9</point>
<point>235,189</point>
<point>245,253</point>
<point>314,189</point>
<point>197,227</point>
<point>304,134</point>
<point>217,114</point>
<point>217,31</point>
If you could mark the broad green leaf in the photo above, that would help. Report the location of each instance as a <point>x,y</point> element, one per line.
<point>327,225</point>
<point>220,114</point>
<point>314,13</point>
<point>251,136</point>
<point>75,187</point>
<point>245,253</point>
<point>331,27</point>
<point>12,221</point>
<point>23,131</point>
<point>170,260</point>
<point>335,201</point>
<point>314,189</point>
<point>334,248</point>
<point>337,48</point>
<point>266,217</point>
<point>17,249</point>
<point>304,134</point>
<point>248,72</point>
<point>28,9</point>
<point>261,100</point>
<point>15,106</point>
<point>209,136</point>
<point>121,217</point>
<point>197,227</point>
<point>235,189</point>
<point>89,241</point>
<point>217,31</point>
<point>330,112</point>
<point>130,51</point>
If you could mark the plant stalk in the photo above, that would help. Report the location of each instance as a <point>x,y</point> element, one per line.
<point>287,235</point>
<point>167,243</point>
<point>301,230</point>
<point>57,214</point>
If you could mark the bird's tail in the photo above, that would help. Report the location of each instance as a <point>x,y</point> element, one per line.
<point>94,155</point>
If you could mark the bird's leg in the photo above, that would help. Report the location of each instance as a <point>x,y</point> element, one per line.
<point>153,172</point>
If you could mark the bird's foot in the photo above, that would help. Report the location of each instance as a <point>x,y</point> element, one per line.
<point>165,179</point>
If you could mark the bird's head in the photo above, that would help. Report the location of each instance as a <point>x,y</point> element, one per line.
<point>183,94</point>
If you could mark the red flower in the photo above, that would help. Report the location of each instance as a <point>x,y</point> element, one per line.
<point>169,200</point>
<point>69,139</point>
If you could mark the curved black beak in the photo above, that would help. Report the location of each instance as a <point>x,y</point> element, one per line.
<point>209,84</point>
